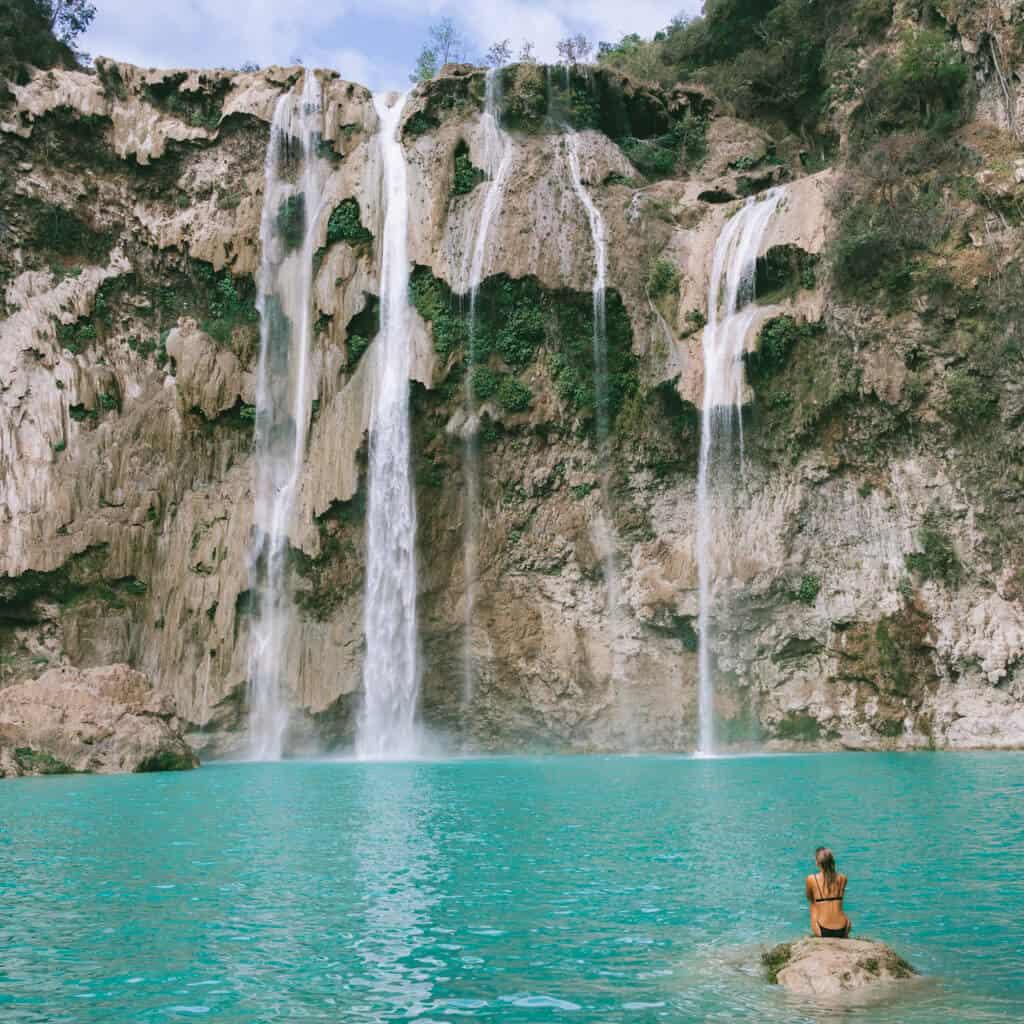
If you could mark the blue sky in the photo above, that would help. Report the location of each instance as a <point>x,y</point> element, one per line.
<point>370,41</point>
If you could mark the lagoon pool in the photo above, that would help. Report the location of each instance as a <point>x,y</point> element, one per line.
<point>590,889</point>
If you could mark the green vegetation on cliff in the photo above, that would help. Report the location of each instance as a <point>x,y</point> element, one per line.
<point>516,319</point>
<point>40,33</point>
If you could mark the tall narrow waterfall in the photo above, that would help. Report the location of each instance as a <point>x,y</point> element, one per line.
<point>730,316</point>
<point>387,726</point>
<point>600,356</point>
<point>293,194</point>
<point>497,159</point>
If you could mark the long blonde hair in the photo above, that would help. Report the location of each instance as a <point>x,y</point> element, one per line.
<point>826,861</point>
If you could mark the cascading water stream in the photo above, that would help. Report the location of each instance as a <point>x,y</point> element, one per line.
<point>387,724</point>
<point>730,316</point>
<point>497,160</point>
<point>292,199</point>
<point>602,423</point>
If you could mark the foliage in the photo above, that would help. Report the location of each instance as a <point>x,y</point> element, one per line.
<point>434,302</point>
<point>345,224</point>
<point>798,725</point>
<point>514,319</point>
<point>80,414</point>
<point>937,559</point>
<point>524,97</point>
<point>970,402</point>
<point>498,54</point>
<point>425,67</point>
<point>776,341</point>
<point>484,382</point>
<point>58,230</point>
<point>513,395</point>
<point>517,307</point>
<point>658,156</point>
<point>575,49</point>
<point>876,242</point>
<point>291,221</point>
<point>201,108</point>
<point>663,278</point>
<point>444,45</point>
<point>766,57</point>
<point>76,335</point>
<point>872,17</point>
<point>466,176</point>
<point>807,592</point>
<point>356,344</point>
<point>229,302</point>
<point>67,19</point>
<point>27,38</point>
<point>633,55</point>
<point>923,84</point>
<point>783,270</point>
<point>418,124</point>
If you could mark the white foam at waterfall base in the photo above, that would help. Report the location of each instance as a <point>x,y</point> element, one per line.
<point>387,725</point>
<point>730,317</point>
<point>283,403</point>
<point>497,152</point>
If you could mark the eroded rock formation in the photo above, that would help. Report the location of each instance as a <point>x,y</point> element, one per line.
<point>97,720</point>
<point>873,595</point>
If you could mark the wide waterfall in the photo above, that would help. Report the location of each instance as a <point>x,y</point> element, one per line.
<point>291,204</point>
<point>387,724</point>
<point>729,319</point>
<point>602,419</point>
<point>497,160</point>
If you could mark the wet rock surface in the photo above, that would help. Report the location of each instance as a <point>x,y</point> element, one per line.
<point>128,345</point>
<point>101,720</point>
<point>830,967</point>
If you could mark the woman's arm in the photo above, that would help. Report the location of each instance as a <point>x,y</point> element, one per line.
<point>809,892</point>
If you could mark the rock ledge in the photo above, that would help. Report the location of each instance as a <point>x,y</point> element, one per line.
<point>829,967</point>
<point>93,720</point>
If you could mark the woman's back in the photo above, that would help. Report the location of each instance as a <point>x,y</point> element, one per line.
<point>828,899</point>
<point>825,891</point>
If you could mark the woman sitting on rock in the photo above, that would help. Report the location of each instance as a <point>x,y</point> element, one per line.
<point>825,892</point>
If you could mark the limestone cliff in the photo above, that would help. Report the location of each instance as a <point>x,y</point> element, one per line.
<point>872,597</point>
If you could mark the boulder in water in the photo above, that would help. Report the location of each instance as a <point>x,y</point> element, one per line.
<point>829,967</point>
<point>89,720</point>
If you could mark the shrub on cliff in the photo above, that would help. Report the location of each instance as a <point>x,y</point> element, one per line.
<point>346,225</point>
<point>513,395</point>
<point>921,85</point>
<point>466,176</point>
<point>937,559</point>
<point>32,32</point>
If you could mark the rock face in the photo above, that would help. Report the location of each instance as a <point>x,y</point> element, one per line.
<point>870,594</point>
<point>829,967</point>
<point>99,720</point>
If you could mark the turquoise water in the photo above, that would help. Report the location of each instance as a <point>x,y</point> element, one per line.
<point>586,889</point>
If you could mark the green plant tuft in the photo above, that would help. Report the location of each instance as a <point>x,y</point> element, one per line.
<point>345,224</point>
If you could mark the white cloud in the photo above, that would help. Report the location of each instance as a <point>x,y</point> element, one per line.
<point>373,41</point>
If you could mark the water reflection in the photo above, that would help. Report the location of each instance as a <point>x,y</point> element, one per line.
<point>397,877</point>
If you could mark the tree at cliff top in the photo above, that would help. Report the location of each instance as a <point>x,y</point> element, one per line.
<point>771,59</point>
<point>40,33</point>
<point>445,45</point>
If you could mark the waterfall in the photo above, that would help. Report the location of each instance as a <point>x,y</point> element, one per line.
<point>387,725</point>
<point>598,237</point>
<point>292,197</point>
<point>497,159</point>
<point>730,316</point>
